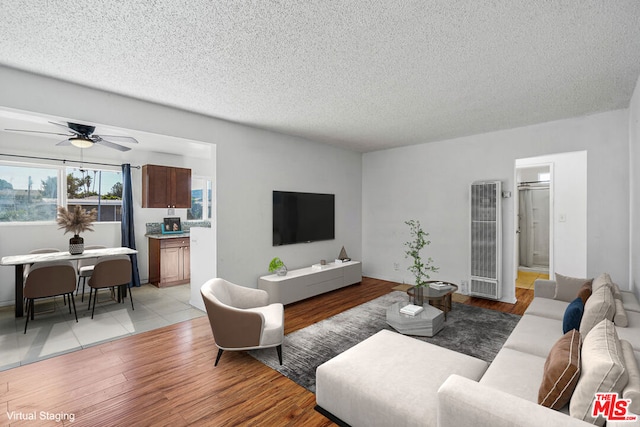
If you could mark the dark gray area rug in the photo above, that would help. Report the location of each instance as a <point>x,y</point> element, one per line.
<point>475,331</point>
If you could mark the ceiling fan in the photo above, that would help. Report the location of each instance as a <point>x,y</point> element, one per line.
<point>82,136</point>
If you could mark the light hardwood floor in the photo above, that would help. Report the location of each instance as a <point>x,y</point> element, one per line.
<point>526,279</point>
<point>166,376</point>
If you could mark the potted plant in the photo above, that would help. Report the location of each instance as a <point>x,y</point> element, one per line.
<point>420,268</point>
<point>76,221</point>
<point>277,266</point>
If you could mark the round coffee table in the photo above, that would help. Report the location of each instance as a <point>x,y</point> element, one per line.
<point>439,298</point>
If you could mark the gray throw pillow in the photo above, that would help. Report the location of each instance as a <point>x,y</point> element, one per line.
<point>567,287</point>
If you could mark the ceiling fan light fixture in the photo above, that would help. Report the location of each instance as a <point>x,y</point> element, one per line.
<point>81,142</point>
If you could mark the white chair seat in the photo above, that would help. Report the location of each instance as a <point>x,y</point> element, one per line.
<point>85,268</point>
<point>86,271</point>
<point>272,334</point>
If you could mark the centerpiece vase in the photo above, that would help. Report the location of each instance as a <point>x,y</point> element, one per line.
<point>418,295</point>
<point>76,245</point>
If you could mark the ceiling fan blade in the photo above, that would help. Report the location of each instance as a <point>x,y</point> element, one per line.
<point>98,140</point>
<point>119,138</point>
<point>66,127</point>
<point>65,142</point>
<point>37,131</point>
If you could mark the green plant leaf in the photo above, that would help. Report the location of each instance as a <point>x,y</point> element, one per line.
<point>275,264</point>
<point>419,268</point>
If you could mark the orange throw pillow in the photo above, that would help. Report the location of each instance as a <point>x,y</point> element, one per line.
<point>585,292</point>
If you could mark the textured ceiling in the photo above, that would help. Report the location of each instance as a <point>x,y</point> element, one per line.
<point>365,75</point>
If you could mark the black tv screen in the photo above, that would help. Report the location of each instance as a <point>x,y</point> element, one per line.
<point>302,217</point>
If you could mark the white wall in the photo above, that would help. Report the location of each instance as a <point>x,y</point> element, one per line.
<point>254,163</point>
<point>634,156</point>
<point>251,163</point>
<point>430,182</point>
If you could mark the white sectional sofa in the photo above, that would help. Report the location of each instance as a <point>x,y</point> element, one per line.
<point>377,381</point>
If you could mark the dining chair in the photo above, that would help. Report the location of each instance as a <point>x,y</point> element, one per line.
<point>27,267</point>
<point>44,250</point>
<point>38,251</point>
<point>110,272</point>
<point>49,279</point>
<point>241,318</point>
<point>85,268</point>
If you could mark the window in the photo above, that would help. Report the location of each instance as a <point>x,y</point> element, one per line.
<point>30,192</point>
<point>95,189</point>
<point>200,199</point>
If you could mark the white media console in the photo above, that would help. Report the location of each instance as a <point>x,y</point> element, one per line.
<point>310,281</point>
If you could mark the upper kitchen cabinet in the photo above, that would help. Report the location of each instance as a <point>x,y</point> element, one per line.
<point>166,187</point>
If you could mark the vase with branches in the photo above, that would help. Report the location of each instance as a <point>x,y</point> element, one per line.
<point>420,268</point>
<point>75,221</point>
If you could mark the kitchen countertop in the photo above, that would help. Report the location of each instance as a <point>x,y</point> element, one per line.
<point>167,236</point>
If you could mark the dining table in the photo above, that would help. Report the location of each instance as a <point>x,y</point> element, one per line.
<point>19,261</point>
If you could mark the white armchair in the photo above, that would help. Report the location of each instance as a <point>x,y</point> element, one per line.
<point>241,318</point>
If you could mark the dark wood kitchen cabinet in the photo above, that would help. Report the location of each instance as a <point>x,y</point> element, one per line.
<point>166,187</point>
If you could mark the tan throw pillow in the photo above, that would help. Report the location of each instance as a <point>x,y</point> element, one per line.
<point>585,292</point>
<point>598,307</point>
<point>567,287</point>
<point>632,389</point>
<point>620,318</point>
<point>601,280</point>
<point>603,370</point>
<point>561,371</point>
<point>615,289</point>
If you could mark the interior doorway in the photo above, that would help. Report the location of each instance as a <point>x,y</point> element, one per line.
<point>533,219</point>
<point>567,210</point>
<point>533,226</point>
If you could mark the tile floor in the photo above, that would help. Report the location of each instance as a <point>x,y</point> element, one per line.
<point>56,332</point>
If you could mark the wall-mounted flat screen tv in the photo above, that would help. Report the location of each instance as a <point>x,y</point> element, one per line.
<point>302,217</point>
